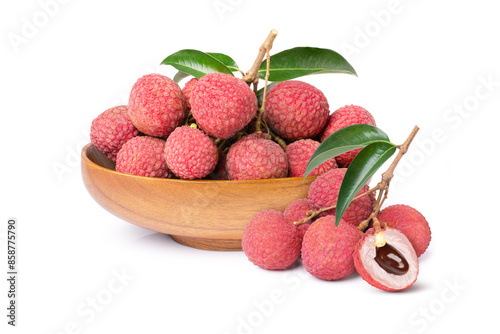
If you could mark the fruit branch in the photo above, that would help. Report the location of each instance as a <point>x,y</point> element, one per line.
<point>252,76</point>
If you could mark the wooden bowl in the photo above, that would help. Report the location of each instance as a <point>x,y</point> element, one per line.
<point>205,214</point>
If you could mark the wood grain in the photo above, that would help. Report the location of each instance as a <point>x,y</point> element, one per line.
<point>205,214</point>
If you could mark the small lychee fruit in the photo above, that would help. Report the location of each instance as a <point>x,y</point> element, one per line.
<point>296,211</point>
<point>342,117</point>
<point>222,105</point>
<point>190,153</point>
<point>300,152</point>
<point>157,105</point>
<point>324,192</point>
<point>327,249</point>
<point>111,129</point>
<point>409,221</point>
<point>256,158</point>
<point>143,156</point>
<point>270,241</point>
<point>188,87</point>
<point>386,259</point>
<point>296,110</point>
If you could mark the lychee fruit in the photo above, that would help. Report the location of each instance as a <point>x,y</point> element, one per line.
<point>300,152</point>
<point>324,192</point>
<point>342,117</point>
<point>143,156</point>
<point>409,221</point>
<point>270,241</point>
<point>157,105</point>
<point>222,105</point>
<point>111,129</point>
<point>253,157</point>
<point>386,259</point>
<point>190,153</point>
<point>327,249</point>
<point>296,211</point>
<point>296,110</point>
<point>188,87</point>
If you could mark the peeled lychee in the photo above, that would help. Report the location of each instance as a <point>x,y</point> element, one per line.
<point>270,241</point>
<point>157,105</point>
<point>327,249</point>
<point>143,156</point>
<point>409,221</point>
<point>324,192</point>
<point>342,117</point>
<point>222,105</point>
<point>296,110</point>
<point>188,87</point>
<point>300,152</point>
<point>297,211</point>
<point>386,259</point>
<point>111,129</point>
<point>253,157</point>
<point>190,153</point>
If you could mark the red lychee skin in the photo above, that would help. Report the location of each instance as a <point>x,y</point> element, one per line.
<point>327,250</point>
<point>143,156</point>
<point>190,153</point>
<point>157,105</point>
<point>296,211</point>
<point>270,241</point>
<point>342,117</point>
<point>300,152</point>
<point>222,105</point>
<point>188,87</point>
<point>324,192</point>
<point>111,129</point>
<point>256,158</point>
<point>410,222</point>
<point>360,269</point>
<point>296,110</point>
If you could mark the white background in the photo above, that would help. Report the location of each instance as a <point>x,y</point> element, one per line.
<point>419,63</point>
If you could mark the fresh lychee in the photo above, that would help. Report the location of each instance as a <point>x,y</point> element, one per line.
<point>342,117</point>
<point>157,105</point>
<point>327,249</point>
<point>296,110</point>
<point>324,192</point>
<point>256,158</point>
<point>270,241</point>
<point>190,153</point>
<point>188,87</point>
<point>300,152</point>
<point>222,105</point>
<point>143,156</point>
<point>409,221</point>
<point>111,129</point>
<point>297,211</point>
<point>386,259</point>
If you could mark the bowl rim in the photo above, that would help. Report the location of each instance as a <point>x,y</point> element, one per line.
<point>86,159</point>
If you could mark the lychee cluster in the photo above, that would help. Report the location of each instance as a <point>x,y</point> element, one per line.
<point>211,129</point>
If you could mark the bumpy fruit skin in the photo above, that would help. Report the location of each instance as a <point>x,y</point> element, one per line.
<point>300,152</point>
<point>222,105</point>
<point>187,89</point>
<point>143,156</point>
<point>190,154</point>
<point>157,105</point>
<point>296,110</point>
<point>410,222</point>
<point>254,157</point>
<point>111,129</point>
<point>327,250</point>
<point>372,273</point>
<point>296,211</point>
<point>271,242</point>
<point>342,117</point>
<point>324,192</point>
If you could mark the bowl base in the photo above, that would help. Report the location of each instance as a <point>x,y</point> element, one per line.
<point>209,244</point>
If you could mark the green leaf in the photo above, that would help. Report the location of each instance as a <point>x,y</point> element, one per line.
<point>364,165</point>
<point>179,76</point>
<point>195,63</point>
<point>297,62</point>
<point>344,140</point>
<point>226,60</point>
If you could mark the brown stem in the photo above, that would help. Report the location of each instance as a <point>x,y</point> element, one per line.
<point>252,75</point>
<point>263,106</point>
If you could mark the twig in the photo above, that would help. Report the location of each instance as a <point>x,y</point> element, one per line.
<point>252,76</point>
